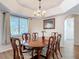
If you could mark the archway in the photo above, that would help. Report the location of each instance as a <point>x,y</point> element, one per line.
<point>69,31</point>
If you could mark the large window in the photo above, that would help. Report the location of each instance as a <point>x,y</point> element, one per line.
<point>18,25</point>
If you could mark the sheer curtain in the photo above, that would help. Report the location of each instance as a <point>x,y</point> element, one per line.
<point>6,29</point>
<point>18,25</point>
<point>1,17</point>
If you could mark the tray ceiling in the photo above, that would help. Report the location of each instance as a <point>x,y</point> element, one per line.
<point>27,7</point>
<point>33,4</point>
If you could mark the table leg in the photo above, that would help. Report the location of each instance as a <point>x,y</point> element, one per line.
<point>39,53</point>
<point>32,54</point>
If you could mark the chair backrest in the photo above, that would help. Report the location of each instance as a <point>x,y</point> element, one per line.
<point>49,48</point>
<point>57,42</point>
<point>34,35</point>
<point>54,34</point>
<point>26,36</point>
<point>59,38</point>
<point>16,45</point>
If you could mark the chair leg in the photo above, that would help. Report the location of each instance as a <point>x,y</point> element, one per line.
<point>32,54</point>
<point>55,51</point>
<point>59,51</point>
<point>14,55</point>
<point>38,53</point>
<point>53,55</point>
<point>56,54</point>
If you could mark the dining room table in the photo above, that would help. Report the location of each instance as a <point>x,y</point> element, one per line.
<point>37,45</point>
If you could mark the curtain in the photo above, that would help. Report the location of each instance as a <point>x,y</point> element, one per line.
<point>1,17</point>
<point>6,29</point>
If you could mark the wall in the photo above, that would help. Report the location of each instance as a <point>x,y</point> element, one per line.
<point>36,25</point>
<point>76,29</point>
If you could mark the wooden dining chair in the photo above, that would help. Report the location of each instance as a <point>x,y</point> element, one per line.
<point>49,48</point>
<point>17,51</point>
<point>26,37</point>
<point>58,43</point>
<point>56,47</point>
<point>54,34</point>
<point>34,35</point>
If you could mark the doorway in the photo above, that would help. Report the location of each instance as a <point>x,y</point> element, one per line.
<point>69,31</point>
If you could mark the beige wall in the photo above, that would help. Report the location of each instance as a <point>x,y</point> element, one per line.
<point>76,29</point>
<point>36,25</point>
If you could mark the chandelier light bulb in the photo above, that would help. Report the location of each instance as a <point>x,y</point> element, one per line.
<point>39,13</point>
<point>43,12</point>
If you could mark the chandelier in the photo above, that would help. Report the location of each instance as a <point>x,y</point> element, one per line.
<point>39,12</point>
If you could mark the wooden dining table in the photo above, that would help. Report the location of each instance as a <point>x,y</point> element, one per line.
<point>38,45</point>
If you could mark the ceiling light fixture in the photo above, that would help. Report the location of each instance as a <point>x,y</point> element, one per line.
<point>40,12</point>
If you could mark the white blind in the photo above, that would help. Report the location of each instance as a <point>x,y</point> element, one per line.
<point>18,25</point>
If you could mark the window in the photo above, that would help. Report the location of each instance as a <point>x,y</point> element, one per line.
<point>18,25</point>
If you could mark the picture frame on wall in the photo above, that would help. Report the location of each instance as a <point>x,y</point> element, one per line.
<point>49,23</point>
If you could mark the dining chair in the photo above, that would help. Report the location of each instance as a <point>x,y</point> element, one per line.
<point>49,48</point>
<point>55,34</point>
<point>17,51</point>
<point>34,35</point>
<point>56,47</point>
<point>58,43</point>
<point>26,37</point>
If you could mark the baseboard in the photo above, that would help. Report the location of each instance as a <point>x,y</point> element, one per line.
<point>76,44</point>
<point>5,48</point>
<point>62,46</point>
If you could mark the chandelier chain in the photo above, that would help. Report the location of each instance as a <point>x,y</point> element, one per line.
<point>39,12</point>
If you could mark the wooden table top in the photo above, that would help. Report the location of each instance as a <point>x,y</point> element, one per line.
<point>38,43</point>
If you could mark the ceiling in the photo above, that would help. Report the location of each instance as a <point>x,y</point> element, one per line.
<point>3,8</point>
<point>33,4</point>
<point>27,7</point>
<point>74,10</point>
